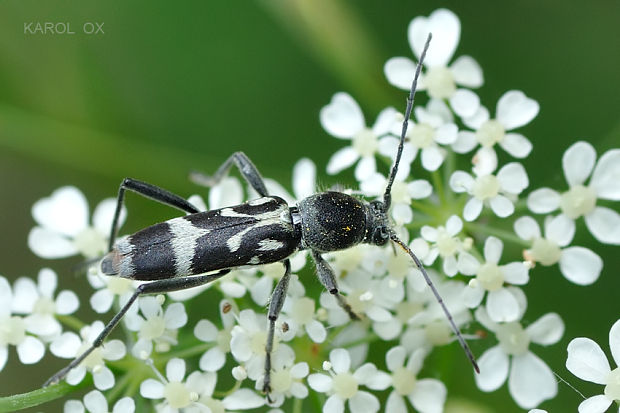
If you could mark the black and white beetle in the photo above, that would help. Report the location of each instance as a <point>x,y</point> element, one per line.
<point>176,254</point>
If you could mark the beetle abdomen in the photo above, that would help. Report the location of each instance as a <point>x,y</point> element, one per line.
<point>256,232</point>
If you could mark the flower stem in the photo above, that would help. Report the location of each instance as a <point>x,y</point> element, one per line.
<point>500,233</point>
<point>71,321</point>
<point>40,396</point>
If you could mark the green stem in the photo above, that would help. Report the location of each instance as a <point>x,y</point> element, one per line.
<point>189,352</point>
<point>500,233</point>
<point>40,396</point>
<point>438,184</point>
<point>70,321</point>
<point>119,386</point>
<point>298,405</point>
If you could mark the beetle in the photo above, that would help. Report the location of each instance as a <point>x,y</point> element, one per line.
<point>201,247</point>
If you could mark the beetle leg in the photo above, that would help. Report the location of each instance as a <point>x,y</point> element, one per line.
<point>156,287</point>
<point>245,166</point>
<point>328,279</point>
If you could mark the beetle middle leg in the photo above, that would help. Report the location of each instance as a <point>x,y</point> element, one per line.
<point>275,306</point>
<point>328,279</point>
<point>155,287</point>
<point>245,166</point>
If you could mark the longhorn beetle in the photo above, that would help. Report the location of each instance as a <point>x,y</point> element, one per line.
<point>174,255</point>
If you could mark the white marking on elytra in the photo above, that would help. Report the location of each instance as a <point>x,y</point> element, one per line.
<point>184,241</point>
<point>125,250</point>
<point>254,260</point>
<point>269,245</point>
<point>259,201</point>
<point>274,217</point>
<point>229,212</point>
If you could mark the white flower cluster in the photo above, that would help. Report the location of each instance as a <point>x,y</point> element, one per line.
<point>460,215</point>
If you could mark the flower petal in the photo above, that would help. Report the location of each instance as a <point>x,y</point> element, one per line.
<point>467,72</point>
<point>399,72</point>
<point>516,145</point>
<point>464,102</point>
<point>465,142</point>
<point>243,399</point>
<point>580,265</point>
<point>493,248</point>
<point>527,228</point>
<point>95,402</point>
<point>543,201</point>
<point>152,389</point>
<point>175,370</point>
<point>531,381</point>
<point>493,369</point>
<point>363,402</point>
<point>320,382</point>
<point>205,331</point>
<point>64,212</point>
<point>614,341</point>
<point>341,160</point>
<point>472,209</point>
<point>606,176</point>
<point>103,379</point>
<point>104,214</point>
<point>212,360</point>
<point>595,404</point>
<point>516,273</point>
<point>604,225</point>
<point>514,109</point>
<point>49,244</point>
<point>560,229</point>
<point>513,178</point>
<point>395,403</point>
<point>304,178</point>
<point>587,361</point>
<point>428,395</point>
<point>446,29</point>
<point>334,404</point>
<point>66,302</point>
<point>340,359</point>
<point>577,162</point>
<point>502,306</point>
<point>547,330</point>
<point>101,301</point>
<point>342,117</point>
<point>395,358</point>
<point>30,350</point>
<point>502,206</point>
<point>432,158</point>
<point>175,316</point>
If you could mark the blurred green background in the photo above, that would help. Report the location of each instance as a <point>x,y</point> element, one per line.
<point>175,86</point>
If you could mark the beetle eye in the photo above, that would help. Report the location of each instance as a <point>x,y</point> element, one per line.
<point>381,236</point>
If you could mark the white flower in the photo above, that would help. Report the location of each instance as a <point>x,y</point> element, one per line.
<point>402,194</point>
<point>439,79</point>
<point>425,395</point>
<point>215,358</point>
<point>343,119</point>
<point>342,385</point>
<point>502,305</point>
<point>63,228</point>
<point>578,163</point>
<point>13,331</point>
<point>37,302</point>
<point>444,243</point>
<point>248,342</point>
<point>156,327</point>
<point>514,110</point>
<point>427,323</point>
<point>578,264</point>
<point>69,345</point>
<point>434,127</point>
<point>304,182</point>
<point>530,380</point>
<point>194,393</point>
<point>107,289</point>
<point>95,402</point>
<point>286,378</point>
<point>497,191</point>
<point>300,315</point>
<point>587,361</point>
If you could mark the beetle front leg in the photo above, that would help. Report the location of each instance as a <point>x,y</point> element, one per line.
<point>275,306</point>
<point>245,166</point>
<point>328,279</point>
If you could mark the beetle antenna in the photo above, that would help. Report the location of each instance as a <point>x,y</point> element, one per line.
<point>387,196</point>
<point>456,330</point>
